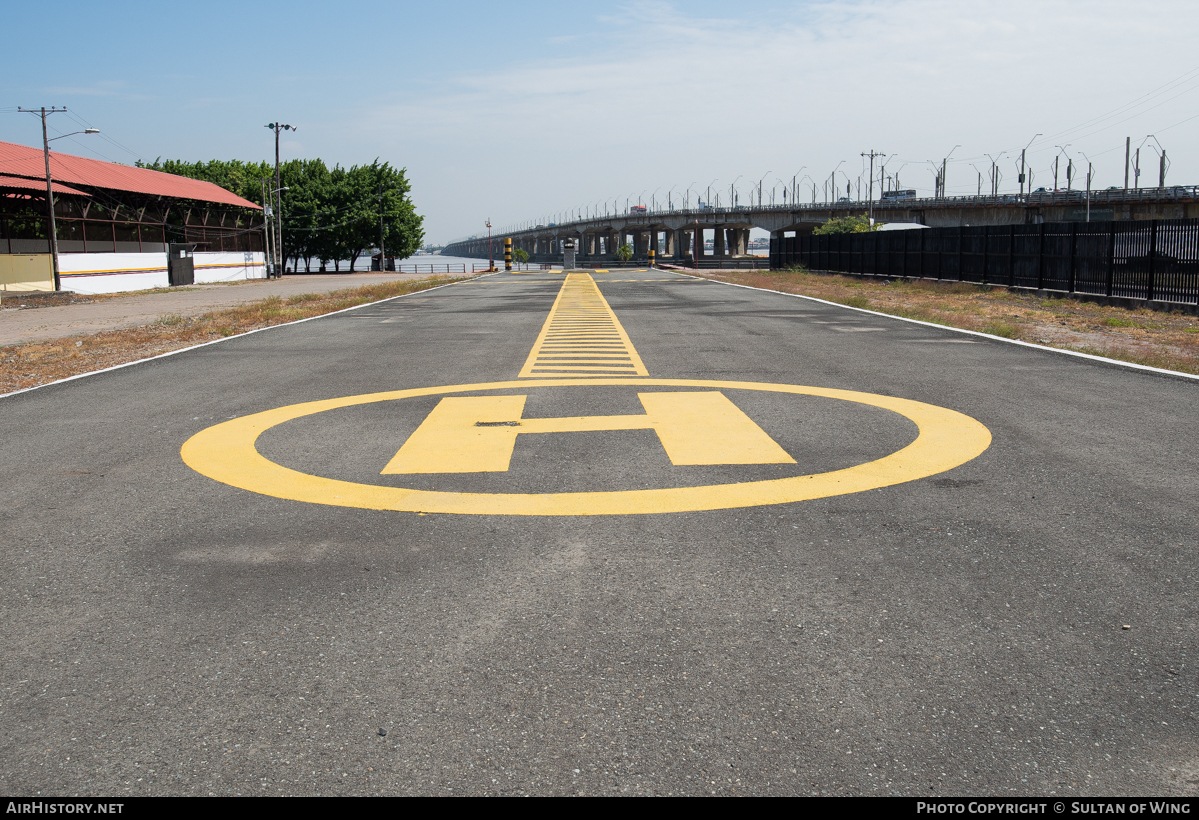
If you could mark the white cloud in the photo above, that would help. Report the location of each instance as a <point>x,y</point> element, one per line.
<point>658,97</point>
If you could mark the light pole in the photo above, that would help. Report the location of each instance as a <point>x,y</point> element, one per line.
<point>944,167</point>
<point>43,113</point>
<point>794,190</point>
<point>1069,165</point>
<point>687,197</point>
<point>1163,164</point>
<point>710,184</point>
<point>277,127</point>
<point>832,182</point>
<point>1022,150</point>
<point>732,189</point>
<point>490,256</point>
<point>760,186</point>
<point>1090,167</point>
<point>995,175</point>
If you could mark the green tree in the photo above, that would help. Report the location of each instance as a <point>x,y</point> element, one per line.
<point>520,255</point>
<point>328,214</point>
<point>625,252</point>
<point>846,224</point>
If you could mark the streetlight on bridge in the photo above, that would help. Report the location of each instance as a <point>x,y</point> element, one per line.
<point>1022,150</point>
<point>760,181</point>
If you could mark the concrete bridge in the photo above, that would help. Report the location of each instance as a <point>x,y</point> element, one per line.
<point>672,232</point>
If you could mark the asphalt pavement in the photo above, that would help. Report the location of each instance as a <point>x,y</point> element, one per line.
<point>673,537</point>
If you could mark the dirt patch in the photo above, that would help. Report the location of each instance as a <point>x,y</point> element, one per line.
<point>1141,336</point>
<point>28,365</point>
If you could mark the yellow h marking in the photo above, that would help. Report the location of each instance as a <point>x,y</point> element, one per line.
<point>478,434</point>
<point>582,337</point>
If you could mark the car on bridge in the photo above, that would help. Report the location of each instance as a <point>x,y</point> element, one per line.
<point>637,209</point>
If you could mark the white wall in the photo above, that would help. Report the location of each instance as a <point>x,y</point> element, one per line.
<point>229,267</point>
<point>112,272</point>
<point>119,272</point>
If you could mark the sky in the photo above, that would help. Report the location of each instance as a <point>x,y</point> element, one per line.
<point>516,112</point>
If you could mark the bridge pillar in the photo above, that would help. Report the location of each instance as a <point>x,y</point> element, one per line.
<point>718,242</point>
<point>639,248</point>
<point>741,242</point>
<point>700,249</point>
<point>681,242</point>
<point>670,244</point>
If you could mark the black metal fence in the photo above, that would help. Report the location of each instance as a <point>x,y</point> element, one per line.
<point>1157,260</point>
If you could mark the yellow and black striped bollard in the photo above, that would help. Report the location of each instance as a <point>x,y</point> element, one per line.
<point>653,252</point>
<point>508,253</point>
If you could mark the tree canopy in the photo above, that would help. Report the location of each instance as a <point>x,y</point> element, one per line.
<point>846,224</point>
<point>329,214</point>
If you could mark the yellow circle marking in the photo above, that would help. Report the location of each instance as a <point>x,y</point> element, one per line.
<point>226,453</point>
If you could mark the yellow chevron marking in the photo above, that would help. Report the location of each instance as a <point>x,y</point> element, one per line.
<point>582,337</point>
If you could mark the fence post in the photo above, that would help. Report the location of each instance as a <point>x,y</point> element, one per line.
<point>1011,256</point>
<point>1152,257</point>
<point>941,255</point>
<point>961,236</point>
<point>1073,255</point>
<point>1041,260</point>
<point>921,232</point>
<point>1111,258</point>
<point>986,251</point>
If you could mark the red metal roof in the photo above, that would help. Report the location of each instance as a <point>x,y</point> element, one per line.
<point>23,161</point>
<point>36,185</point>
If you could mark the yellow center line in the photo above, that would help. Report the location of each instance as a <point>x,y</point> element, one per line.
<point>582,337</point>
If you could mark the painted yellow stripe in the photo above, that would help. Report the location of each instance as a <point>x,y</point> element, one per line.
<point>582,337</point>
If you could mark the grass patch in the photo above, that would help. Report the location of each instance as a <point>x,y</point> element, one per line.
<point>29,365</point>
<point>858,302</point>
<point>1003,329</point>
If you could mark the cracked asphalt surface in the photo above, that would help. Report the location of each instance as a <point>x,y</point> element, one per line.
<point>1023,624</point>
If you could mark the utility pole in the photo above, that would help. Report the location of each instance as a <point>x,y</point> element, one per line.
<point>280,260</point>
<point>870,190</point>
<point>53,228</point>
<point>43,113</point>
<point>1161,178</point>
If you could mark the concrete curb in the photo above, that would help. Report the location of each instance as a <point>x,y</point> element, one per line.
<point>1101,359</point>
<point>227,338</point>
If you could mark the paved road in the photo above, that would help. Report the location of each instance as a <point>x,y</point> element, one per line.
<point>961,632</point>
<point>38,324</point>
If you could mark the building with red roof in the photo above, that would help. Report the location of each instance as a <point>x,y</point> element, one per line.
<point>106,207</point>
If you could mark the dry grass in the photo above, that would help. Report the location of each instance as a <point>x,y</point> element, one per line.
<point>1143,336</point>
<point>28,365</point>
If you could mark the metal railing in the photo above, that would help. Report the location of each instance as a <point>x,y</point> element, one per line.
<point>705,215</point>
<point>1152,260</point>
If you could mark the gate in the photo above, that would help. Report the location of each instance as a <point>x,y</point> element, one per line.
<point>181,268</point>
